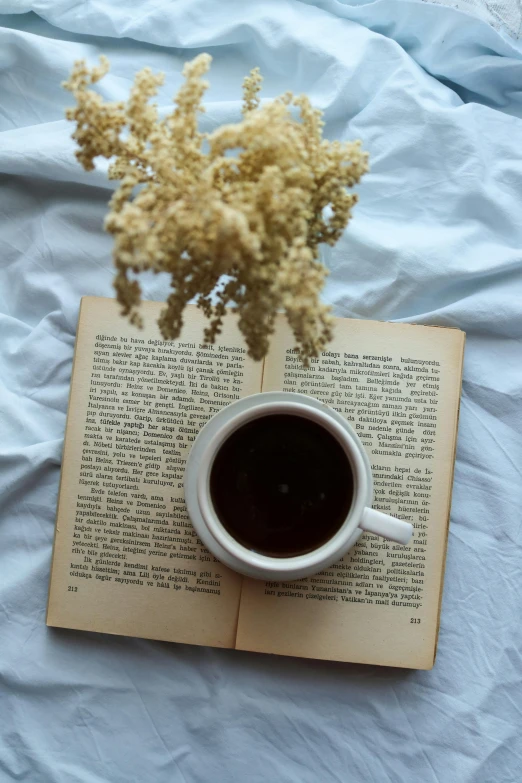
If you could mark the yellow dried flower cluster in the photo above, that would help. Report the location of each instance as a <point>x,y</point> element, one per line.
<point>234,216</point>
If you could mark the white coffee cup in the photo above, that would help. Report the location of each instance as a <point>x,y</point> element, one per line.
<point>361,517</point>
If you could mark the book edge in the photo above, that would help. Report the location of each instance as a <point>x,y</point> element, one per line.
<point>448,512</point>
<point>152,638</point>
<point>335,317</point>
<point>427,666</point>
<point>69,405</point>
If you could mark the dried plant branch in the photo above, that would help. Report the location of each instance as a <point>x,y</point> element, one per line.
<point>235,216</point>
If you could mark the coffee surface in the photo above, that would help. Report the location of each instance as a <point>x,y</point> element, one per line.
<point>281,485</point>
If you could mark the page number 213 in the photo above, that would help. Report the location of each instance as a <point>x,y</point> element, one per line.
<point>414,619</point>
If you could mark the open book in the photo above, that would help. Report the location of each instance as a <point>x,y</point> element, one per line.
<point>126,559</point>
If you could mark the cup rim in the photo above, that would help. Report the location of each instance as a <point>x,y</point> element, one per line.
<point>328,551</point>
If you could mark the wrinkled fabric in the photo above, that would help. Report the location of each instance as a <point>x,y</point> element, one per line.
<point>435,95</point>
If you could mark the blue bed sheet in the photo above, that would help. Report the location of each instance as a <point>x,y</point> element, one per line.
<point>436,96</point>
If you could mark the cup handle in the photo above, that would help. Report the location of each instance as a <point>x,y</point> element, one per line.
<point>388,527</point>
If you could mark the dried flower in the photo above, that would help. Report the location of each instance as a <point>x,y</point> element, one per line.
<point>234,216</point>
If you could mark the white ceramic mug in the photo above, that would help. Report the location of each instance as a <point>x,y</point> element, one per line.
<point>218,540</point>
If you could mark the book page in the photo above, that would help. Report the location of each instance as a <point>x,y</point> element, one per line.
<point>126,558</point>
<point>399,386</point>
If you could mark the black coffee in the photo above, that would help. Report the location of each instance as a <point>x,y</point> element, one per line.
<point>281,485</point>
